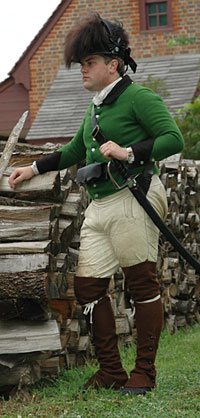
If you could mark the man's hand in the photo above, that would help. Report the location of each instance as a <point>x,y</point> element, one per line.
<point>112,150</point>
<point>20,174</point>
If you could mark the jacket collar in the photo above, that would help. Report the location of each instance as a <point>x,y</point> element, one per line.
<point>118,89</point>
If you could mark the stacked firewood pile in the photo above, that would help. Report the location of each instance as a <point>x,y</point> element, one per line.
<point>180,285</point>
<point>39,239</point>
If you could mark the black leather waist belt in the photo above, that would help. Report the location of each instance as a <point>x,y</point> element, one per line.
<point>91,173</point>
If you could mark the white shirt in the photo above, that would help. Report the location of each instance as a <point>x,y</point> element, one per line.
<point>101,95</point>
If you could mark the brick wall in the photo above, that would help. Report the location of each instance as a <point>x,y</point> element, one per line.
<point>45,63</point>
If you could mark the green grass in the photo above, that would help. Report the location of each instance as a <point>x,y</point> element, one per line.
<point>177,394</point>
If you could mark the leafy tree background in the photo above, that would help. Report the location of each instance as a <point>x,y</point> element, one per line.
<point>188,121</point>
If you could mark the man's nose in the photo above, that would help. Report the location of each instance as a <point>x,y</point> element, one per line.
<point>83,69</point>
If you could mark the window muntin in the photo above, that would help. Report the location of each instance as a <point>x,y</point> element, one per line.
<point>155,15</point>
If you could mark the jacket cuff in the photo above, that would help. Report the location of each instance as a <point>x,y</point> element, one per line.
<point>142,151</point>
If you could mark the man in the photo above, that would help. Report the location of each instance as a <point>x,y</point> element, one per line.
<point>137,129</point>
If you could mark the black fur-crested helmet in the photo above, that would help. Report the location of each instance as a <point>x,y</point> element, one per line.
<point>96,36</point>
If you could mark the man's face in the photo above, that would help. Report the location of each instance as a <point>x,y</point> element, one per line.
<point>96,73</point>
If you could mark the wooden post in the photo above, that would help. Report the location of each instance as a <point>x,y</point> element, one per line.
<point>10,145</point>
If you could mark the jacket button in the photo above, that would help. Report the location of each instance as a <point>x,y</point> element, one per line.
<point>93,149</point>
<point>150,348</point>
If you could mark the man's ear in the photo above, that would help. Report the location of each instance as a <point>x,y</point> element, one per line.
<point>113,64</point>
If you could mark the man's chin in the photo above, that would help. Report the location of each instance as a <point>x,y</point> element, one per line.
<point>87,85</point>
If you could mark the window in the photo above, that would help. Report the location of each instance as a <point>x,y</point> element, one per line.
<point>155,15</point>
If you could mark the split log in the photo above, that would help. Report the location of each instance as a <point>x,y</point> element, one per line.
<point>50,368</point>
<point>29,213</point>
<point>69,293</point>
<point>183,290</point>
<point>43,187</point>
<point>23,375</point>
<point>74,334</point>
<point>66,231</point>
<point>71,207</point>
<point>64,284</point>
<point>11,361</point>
<point>59,282</point>
<point>170,324</point>
<point>180,306</point>
<point>180,321</point>
<point>78,358</point>
<point>122,325</point>
<point>197,291</point>
<point>75,242</point>
<point>61,261</point>
<point>85,351</point>
<point>10,144</point>
<point>25,247</point>
<point>51,288</point>
<point>14,263</point>
<point>27,337</point>
<point>192,219</point>
<point>65,190</point>
<point>21,369</point>
<point>171,163</point>
<point>72,259</point>
<point>28,231</point>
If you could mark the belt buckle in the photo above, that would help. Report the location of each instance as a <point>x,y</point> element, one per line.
<point>95,131</point>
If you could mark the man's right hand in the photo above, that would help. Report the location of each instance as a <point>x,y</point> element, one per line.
<point>20,174</point>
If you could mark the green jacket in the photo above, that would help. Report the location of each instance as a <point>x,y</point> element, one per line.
<point>137,117</point>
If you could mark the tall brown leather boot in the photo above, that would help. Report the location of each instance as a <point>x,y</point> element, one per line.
<point>90,293</point>
<point>144,288</point>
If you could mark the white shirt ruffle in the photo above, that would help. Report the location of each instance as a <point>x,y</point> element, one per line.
<point>101,95</point>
